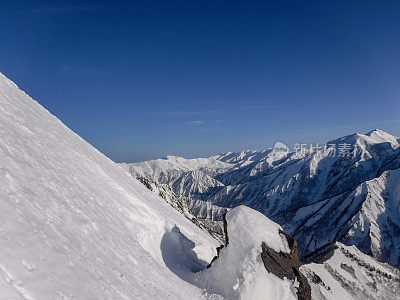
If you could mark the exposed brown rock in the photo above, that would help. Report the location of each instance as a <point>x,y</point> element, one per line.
<point>287,265</point>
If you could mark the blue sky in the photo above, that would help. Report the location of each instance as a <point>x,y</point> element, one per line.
<point>145,79</point>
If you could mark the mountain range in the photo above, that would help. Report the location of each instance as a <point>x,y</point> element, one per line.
<point>317,196</point>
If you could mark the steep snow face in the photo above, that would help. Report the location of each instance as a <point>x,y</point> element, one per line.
<point>238,272</point>
<point>73,224</point>
<point>347,273</point>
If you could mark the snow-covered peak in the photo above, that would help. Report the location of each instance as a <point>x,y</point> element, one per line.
<point>373,137</point>
<point>380,136</point>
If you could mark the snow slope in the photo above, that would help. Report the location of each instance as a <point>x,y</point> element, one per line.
<point>73,224</point>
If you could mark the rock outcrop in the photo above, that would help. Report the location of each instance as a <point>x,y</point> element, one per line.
<point>281,261</point>
<point>286,265</point>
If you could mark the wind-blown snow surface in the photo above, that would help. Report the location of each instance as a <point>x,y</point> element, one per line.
<point>73,224</point>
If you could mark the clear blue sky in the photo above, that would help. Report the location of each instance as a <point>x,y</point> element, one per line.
<point>141,80</point>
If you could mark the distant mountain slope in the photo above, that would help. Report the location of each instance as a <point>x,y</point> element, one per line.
<point>343,272</point>
<point>320,197</point>
<point>185,176</point>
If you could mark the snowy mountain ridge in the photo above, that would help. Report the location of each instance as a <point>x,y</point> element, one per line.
<point>317,197</point>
